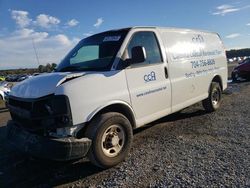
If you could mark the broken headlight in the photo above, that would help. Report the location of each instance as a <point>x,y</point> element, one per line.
<point>54,109</point>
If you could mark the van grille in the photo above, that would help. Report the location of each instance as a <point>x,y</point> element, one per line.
<point>21,112</point>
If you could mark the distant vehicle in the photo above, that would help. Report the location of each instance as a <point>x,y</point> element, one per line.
<point>17,78</point>
<point>5,89</point>
<point>23,77</point>
<point>12,78</point>
<point>1,95</point>
<point>6,97</point>
<point>8,78</point>
<point>2,78</point>
<point>3,83</point>
<point>242,70</point>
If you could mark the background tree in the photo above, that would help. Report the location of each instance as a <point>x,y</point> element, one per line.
<point>238,53</point>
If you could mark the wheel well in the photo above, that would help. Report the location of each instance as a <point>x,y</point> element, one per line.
<point>120,108</point>
<point>218,80</point>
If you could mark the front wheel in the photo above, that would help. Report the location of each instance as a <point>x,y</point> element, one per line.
<point>213,101</point>
<point>111,135</point>
<point>235,77</point>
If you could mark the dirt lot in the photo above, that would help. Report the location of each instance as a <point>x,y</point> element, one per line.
<point>190,148</point>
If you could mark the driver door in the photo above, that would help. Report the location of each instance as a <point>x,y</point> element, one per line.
<point>148,82</point>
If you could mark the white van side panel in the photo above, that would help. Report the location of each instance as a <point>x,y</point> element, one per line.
<point>89,93</point>
<point>220,59</point>
<point>151,100</point>
<point>194,58</point>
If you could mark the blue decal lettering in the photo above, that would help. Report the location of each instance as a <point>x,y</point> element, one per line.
<point>150,77</point>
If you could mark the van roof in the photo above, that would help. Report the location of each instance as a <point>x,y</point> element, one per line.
<point>158,27</point>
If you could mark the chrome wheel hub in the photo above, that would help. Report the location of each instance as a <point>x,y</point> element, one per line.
<point>113,140</point>
<point>215,97</point>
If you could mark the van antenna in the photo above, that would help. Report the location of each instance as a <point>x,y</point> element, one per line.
<point>34,47</point>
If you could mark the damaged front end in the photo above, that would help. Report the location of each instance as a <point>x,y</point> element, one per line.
<point>43,115</point>
<point>43,127</point>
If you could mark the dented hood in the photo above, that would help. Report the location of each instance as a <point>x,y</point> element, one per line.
<point>42,85</point>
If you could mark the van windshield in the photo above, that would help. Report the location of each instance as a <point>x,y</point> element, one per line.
<point>95,53</point>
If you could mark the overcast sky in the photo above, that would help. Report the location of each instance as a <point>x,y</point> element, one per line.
<point>54,27</point>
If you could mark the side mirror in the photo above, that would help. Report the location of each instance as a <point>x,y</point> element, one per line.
<point>138,54</point>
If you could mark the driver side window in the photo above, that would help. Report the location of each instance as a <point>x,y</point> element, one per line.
<point>148,40</point>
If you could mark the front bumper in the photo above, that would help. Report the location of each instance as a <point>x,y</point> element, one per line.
<point>59,149</point>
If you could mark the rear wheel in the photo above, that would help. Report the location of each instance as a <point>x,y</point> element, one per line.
<point>213,101</point>
<point>111,135</point>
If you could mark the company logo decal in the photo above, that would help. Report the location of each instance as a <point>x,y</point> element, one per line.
<point>150,77</point>
<point>198,39</point>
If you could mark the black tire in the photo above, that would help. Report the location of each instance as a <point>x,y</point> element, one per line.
<point>213,101</point>
<point>98,129</point>
<point>234,79</point>
<point>1,97</point>
<point>248,78</point>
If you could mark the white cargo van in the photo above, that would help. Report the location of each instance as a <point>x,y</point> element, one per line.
<point>112,83</point>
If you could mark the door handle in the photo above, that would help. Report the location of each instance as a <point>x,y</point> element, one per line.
<point>166,72</point>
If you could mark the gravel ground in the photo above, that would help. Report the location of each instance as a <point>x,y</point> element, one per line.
<point>190,148</point>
